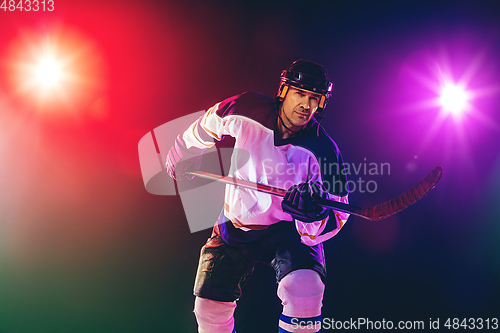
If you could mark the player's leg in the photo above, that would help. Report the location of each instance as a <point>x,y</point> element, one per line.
<point>301,293</point>
<point>214,316</point>
<point>300,272</point>
<point>222,270</point>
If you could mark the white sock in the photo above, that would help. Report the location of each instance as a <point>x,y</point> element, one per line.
<point>301,293</point>
<point>214,316</point>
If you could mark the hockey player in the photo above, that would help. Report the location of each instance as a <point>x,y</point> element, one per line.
<point>288,148</point>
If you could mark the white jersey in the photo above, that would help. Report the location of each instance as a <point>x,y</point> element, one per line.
<point>260,156</point>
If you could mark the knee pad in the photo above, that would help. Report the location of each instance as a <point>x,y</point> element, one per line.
<point>301,293</point>
<point>214,316</point>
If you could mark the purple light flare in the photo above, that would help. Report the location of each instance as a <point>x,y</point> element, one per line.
<point>454,100</point>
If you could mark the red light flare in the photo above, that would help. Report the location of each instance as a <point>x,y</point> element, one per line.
<point>57,74</point>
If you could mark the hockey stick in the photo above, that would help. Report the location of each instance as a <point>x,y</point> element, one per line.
<point>373,213</point>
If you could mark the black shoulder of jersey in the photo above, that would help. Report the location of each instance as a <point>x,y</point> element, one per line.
<point>253,105</point>
<point>328,155</point>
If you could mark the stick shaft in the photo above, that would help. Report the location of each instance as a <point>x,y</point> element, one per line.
<point>346,208</point>
<point>373,213</point>
<point>238,182</point>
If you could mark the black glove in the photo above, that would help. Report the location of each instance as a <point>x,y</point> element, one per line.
<point>299,202</point>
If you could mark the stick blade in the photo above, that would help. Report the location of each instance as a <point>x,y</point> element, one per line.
<point>406,199</point>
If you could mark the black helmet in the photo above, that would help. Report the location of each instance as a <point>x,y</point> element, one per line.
<point>310,76</point>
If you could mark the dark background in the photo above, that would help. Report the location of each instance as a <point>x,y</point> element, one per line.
<point>84,247</point>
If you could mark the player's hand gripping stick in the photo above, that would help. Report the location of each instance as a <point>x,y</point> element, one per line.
<point>300,203</point>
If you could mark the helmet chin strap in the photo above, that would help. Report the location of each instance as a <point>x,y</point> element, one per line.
<point>283,123</point>
<point>314,119</point>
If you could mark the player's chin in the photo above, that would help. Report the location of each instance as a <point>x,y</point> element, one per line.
<point>302,118</point>
<point>301,121</point>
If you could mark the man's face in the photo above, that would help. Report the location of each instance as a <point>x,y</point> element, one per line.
<point>298,107</point>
